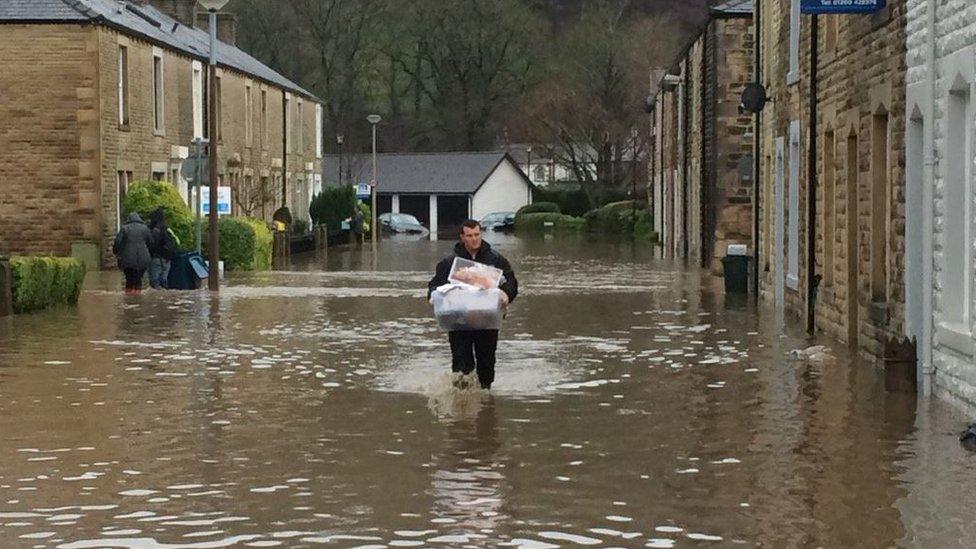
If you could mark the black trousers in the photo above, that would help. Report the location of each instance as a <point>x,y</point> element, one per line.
<point>474,349</point>
<point>133,278</point>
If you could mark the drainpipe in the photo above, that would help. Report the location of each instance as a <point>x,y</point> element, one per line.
<point>683,93</point>
<point>925,366</point>
<point>284,149</point>
<point>812,277</point>
<point>756,147</point>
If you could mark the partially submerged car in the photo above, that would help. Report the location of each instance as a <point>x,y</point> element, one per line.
<point>401,223</point>
<point>498,221</point>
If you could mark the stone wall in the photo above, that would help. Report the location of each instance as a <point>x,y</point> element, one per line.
<point>64,147</point>
<point>49,142</point>
<point>861,105</point>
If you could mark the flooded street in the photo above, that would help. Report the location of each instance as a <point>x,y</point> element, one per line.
<point>633,406</point>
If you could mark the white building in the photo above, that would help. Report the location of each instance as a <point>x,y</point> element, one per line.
<point>939,163</point>
<point>440,189</point>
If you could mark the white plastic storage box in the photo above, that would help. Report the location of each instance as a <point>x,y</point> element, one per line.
<point>466,309</point>
<point>465,271</point>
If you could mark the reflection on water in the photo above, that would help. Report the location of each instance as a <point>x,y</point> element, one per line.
<point>634,406</point>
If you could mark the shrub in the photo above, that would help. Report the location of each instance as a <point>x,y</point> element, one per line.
<point>614,218</point>
<point>539,207</point>
<point>536,222</point>
<point>644,227</point>
<point>245,243</point>
<point>144,197</point>
<point>577,202</point>
<point>333,205</point>
<point>43,282</point>
<point>299,226</point>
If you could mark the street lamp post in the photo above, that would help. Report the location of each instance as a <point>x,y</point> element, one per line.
<point>339,141</point>
<point>528,162</point>
<point>212,6</point>
<point>373,119</point>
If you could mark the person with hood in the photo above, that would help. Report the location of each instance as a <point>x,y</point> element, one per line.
<point>162,251</point>
<point>131,248</point>
<point>475,349</point>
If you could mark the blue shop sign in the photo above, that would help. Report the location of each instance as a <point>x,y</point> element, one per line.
<point>812,7</point>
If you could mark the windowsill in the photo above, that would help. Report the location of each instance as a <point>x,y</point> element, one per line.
<point>792,78</point>
<point>956,337</point>
<point>124,127</point>
<point>159,133</point>
<point>793,282</point>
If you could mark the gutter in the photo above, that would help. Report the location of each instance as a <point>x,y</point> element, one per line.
<point>926,369</point>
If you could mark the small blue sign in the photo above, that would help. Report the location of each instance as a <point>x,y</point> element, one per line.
<point>362,190</point>
<point>813,7</point>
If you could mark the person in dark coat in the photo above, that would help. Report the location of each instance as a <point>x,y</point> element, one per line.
<point>162,251</point>
<point>131,247</point>
<point>471,349</point>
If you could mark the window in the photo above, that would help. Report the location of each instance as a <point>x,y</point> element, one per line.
<point>793,211</point>
<point>158,176</point>
<point>122,179</point>
<point>248,116</point>
<point>197,84</point>
<point>264,119</point>
<point>158,123</point>
<point>218,116</point>
<point>123,86</point>
<point>318,131</point>
<point>287,116</point>
<point>958,170</point>
<point>879,207</point>
<point>829,215</point>
<point>850,218</point>
<point>794,75</point>
<point>540,173</point>
<point>301,128</point>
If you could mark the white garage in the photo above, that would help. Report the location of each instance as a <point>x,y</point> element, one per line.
<point>439,189</point>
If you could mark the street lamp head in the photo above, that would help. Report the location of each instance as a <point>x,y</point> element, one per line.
<point>374,119</point>
<point>339,139</point>
<point>213,5</point>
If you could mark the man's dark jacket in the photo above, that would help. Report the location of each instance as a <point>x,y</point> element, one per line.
<point>485,255</point>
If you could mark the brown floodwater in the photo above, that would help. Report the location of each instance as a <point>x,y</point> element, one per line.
<point>634,406</point>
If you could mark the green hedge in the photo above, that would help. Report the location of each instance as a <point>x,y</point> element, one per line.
<point>43,282</point>
<point>576,202</point>
<point>245,243</point>
<point>332,205</point>
<point>536,222</point>
<point>539,207</point>
<point>614,218</point>
<point>143,197</point>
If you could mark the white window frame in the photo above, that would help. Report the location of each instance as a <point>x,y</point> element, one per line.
<point>123,83</point>
<point>158,92</point>
<point>958,172</point>
<point>793,210</point>
<point>318,130</point>
<point>265,123</point>
<point>287,124</point>
<point>248,114</point>
<point>197,85</point>
<point>793,76</point>
<point>300,115</point>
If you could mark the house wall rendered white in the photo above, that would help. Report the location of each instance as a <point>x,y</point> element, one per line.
<point>946,348</point>
<point>504,191</point>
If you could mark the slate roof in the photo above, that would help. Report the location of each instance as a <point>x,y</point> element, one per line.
<point>734,7</point>
<point>420,173</point>
<point>146,22</point>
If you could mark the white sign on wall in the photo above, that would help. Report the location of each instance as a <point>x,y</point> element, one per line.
<point>223,200</point>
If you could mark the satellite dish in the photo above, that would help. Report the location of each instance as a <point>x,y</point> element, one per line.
<point>754,97</point>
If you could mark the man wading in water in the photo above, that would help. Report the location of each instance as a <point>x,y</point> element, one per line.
<point>471,347</point>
